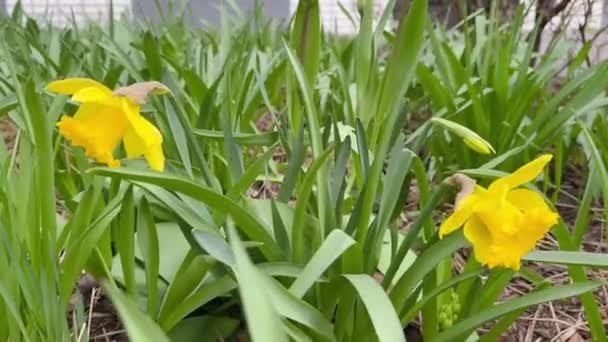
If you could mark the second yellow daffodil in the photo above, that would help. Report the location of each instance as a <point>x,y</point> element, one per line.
<point>504,222</point>
<point>105,117</point>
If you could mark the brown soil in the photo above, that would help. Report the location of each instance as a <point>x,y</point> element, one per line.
<point>102,322</point>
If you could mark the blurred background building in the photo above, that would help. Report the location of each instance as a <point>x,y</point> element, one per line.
<point>337,16</point>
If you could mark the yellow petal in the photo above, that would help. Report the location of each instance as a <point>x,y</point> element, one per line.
<point>498,215</point>
<point>133,145</point>
<point>481,239</point>
<point>459,217</point>
<point>155,157</point>
<point>91,95</point>
<point>98,132</point>
<point>490,247</point>
<point>70,86</point>
<point>524,174</point>
<point>142,138</point>
<point>87,111</point>
<point>146,131</point>
<point>527,200</point>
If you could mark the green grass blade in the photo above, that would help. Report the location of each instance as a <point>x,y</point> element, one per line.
<point>583,217</point>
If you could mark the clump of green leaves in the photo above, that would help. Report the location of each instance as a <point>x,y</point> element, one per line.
<point>190,254</point>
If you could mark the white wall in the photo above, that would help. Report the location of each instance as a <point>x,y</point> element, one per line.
<point>575,14</point>
<point>335,19</point>
<point>59,12</point>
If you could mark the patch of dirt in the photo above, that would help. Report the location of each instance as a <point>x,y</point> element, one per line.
<point>9,132</point>
<point>100,321</point>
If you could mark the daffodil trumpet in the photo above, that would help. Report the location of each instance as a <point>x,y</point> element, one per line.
<point>106,117</point>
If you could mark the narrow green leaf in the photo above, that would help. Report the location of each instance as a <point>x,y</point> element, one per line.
<point>263,322</point>
<point>525,301</point>
<point>204,329</point>
<point>147,238</point>
<point>294,167</point>
<point>245,220</point>
<point>201,296</point>
<point>280,233</point>
<point>379,308</point>
<point>178,134</point>
<point>232,151</point>
<point>569,258</point>
<point>412,234</point>
<point>140,327</point>
<point>412,311</point>
<point>151,50</point>
<point>215,246</point>
<point>125,242</point>
<point>397,77</point>
<point>78,252</point>
<point>424,264</point>
<point>251,173</point>
<point>290,306</point>
<point>398,168</point>
<point>189,275</point>
<point>334,245</point>
<point>247,139</point>
<point>302,205</point>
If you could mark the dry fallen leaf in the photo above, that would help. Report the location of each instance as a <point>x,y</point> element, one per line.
<point>576,338</point>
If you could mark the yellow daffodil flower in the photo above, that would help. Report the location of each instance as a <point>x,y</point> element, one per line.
<point>105,117</point>
<point>503,222</point>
